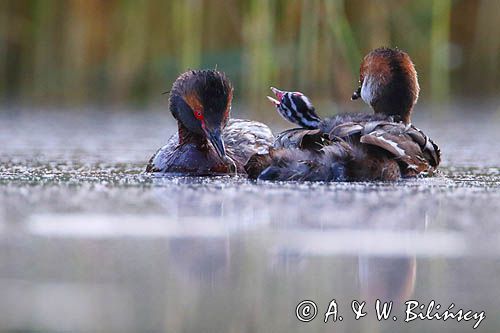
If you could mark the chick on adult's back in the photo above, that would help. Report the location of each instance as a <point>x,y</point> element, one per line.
<point>357,146</point>
<point>208,142</point>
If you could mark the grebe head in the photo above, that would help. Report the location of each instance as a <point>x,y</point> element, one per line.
<point>295,107</point>
<point>388,83</point>
<point>201,101</point>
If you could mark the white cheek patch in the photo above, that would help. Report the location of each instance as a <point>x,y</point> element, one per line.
<point>368,90</point>
<point>307,101</point>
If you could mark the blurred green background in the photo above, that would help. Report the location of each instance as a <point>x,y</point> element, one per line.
<point>109,52</point>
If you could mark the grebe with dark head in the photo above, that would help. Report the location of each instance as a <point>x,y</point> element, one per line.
<point>357,146</point>
<point>388,83</point>
<point>208,141</point>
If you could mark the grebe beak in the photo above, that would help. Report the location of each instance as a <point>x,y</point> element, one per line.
<point>356,94</point>
<point>273,100</point>
<point>278,93</point>
<point>215,138</point>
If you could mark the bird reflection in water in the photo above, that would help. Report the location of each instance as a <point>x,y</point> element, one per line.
<point>387,278</point>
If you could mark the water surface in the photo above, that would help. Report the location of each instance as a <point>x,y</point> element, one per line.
<point>90,244</point>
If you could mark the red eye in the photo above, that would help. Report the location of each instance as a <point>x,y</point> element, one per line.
<point>198,114</point>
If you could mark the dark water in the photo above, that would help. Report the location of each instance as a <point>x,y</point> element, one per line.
<point>89,244</point>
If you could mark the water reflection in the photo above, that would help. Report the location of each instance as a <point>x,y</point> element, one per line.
<point>200,260</point>
<point>387,279</point>
<point>87,243</point>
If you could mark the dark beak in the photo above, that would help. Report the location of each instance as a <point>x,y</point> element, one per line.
<point>356,94</point>
<point>215,138</point>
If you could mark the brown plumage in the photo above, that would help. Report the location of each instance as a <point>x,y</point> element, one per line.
<point>388,83</point>
<point>208,142</point>
<point>352,147</point>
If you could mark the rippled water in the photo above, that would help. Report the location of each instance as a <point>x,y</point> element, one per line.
<point>89,243</point>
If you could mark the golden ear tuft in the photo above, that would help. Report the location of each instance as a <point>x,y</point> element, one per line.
<point>193,102</point>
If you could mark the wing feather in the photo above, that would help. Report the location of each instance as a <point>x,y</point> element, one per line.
<point>301,138</point>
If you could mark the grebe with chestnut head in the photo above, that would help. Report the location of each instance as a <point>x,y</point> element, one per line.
<point>208,141</point>
<point>357,146</point>
<point>388,83</point>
